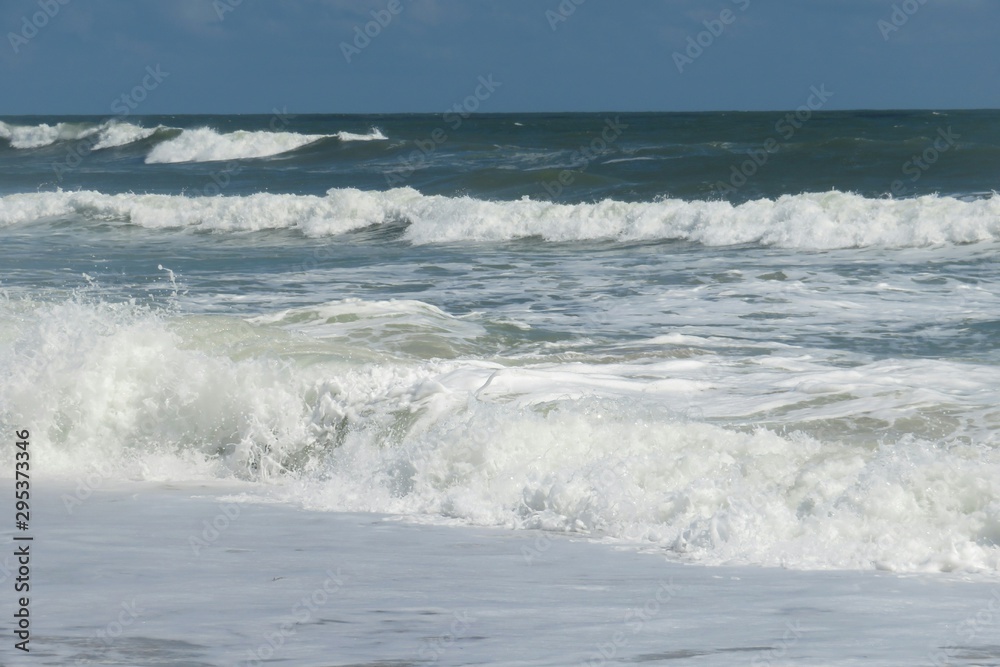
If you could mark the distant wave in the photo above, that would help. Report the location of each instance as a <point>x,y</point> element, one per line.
<point>207,145</point>
<point>809,221</point>
<point>117,134</point>
<point>37,136</point>
<point>196,145</point>
<point>374,135</point>
<point>111,134</point>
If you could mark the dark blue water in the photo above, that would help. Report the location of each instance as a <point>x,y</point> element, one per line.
<point>568,158</point>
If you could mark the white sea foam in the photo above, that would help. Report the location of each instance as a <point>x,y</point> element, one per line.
<point>809,221</point>
<point>317,216</point>
<point>374,135</point>
<point>37,136</point>
<point>207,145</point>
<point>115,134</point>
<point>111,134</point>
<point>613,451</point>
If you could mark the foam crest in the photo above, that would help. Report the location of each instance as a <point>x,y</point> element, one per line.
<point>374,135</point>
<point>317,216</point>
<point>115,134</point>
<point>810,221</point>
<point>37,136</point>
<point>118,387</point>
<point>207,145</point>
<point>635,474</point>
<point>111,134</point>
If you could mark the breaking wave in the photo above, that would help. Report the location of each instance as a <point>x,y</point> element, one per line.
<point>195,145</point>
<point>809,221</point>
<point>37,136</point>
<point>207,145</point>
<point>597,450</point>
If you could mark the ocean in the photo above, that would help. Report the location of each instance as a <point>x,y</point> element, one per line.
<point>520,389</point>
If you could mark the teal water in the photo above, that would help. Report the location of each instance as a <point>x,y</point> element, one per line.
<point>629,157</point>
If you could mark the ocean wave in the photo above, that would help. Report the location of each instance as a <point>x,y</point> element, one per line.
<point>600,451</point>
<point>314,216</point>
<point>110,134</point>
<point>197,145</point>
<point>809,221</point>
<point>207,145</point>
<point>116,134</point>
<point>374,135</point>
<point>38,136</point>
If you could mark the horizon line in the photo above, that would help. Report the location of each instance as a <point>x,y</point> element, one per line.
<point>501,113</point>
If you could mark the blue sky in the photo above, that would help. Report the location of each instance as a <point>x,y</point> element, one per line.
<point>252,56</point>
